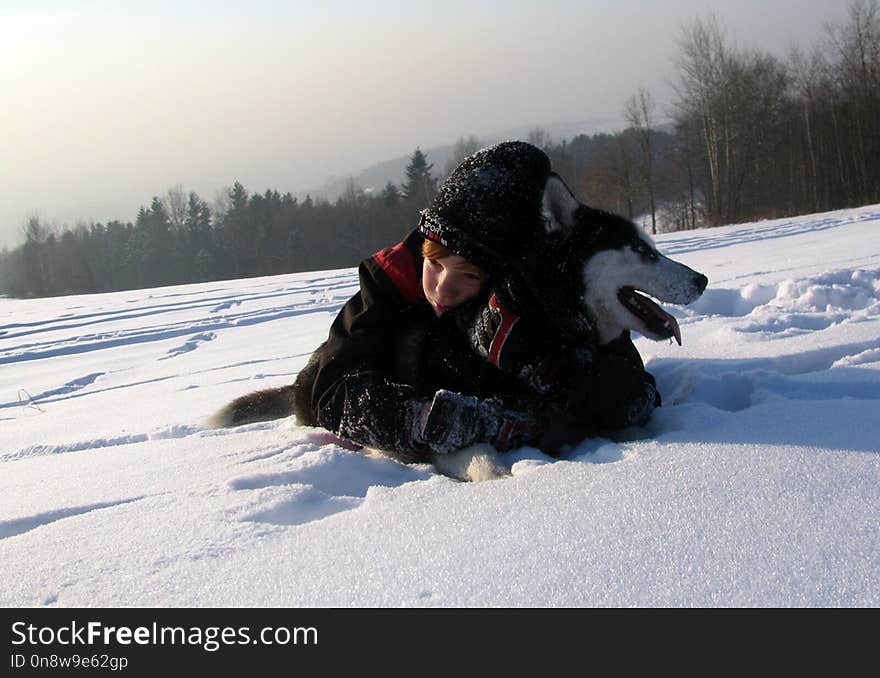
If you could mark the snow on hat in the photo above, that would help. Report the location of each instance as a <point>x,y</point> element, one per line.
<point>489,209</point>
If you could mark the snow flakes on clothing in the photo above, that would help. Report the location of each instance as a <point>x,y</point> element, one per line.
<point>489,209</point>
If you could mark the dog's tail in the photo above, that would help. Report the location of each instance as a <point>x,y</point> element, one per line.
<point>272,403</point>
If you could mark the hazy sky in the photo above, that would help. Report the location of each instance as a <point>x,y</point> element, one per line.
<point>104,104</point>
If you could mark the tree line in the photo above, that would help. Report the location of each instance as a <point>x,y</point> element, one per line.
<point>180,238</point>
<point>750,136</point>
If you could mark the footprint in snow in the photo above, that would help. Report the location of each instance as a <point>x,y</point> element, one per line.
<point>17,526</point>
<point>226,305</point>
<point>190,345</point>
<point>325,482</point>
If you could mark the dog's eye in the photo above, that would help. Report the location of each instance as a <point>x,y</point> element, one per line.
<point>642,249</point>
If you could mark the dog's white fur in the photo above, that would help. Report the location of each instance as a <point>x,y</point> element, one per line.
<point>475,463</point>
<point>608,271</point>
<point>605,272</point>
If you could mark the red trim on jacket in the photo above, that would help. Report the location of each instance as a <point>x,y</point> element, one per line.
<point>399,265</point>
<point>508,320</point>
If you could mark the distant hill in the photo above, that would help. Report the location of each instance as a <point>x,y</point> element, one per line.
<point>375,177</point>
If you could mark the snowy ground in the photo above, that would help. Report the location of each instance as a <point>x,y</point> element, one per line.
<point>760,487</point>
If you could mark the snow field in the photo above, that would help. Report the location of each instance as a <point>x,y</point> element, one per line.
<point>758,485</point>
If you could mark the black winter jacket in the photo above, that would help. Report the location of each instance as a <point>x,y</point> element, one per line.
<point>387,354</point>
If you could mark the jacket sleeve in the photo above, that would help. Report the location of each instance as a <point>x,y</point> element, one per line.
<point>354,393</point>
<point>603,387</point>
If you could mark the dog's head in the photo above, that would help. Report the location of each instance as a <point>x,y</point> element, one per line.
<point>598,269</point>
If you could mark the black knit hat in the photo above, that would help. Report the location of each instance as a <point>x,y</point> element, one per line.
<point>489,209</point>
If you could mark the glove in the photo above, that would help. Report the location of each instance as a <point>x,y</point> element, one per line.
<point>612,393</point>
<point>452,421</point>
<point>519,346</point>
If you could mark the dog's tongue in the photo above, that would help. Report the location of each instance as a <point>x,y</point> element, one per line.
<point>669,322</point>
<point>655,317</point>
<point>672,323</point>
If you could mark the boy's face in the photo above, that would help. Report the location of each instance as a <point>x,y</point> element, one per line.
<point>448,282</point>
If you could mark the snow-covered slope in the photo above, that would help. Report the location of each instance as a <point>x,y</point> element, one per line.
<point>760,486</point>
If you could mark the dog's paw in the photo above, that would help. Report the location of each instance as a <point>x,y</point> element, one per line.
<point>472,464</point>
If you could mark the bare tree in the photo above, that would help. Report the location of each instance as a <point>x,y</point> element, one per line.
<point>856,52</point>
<point>808,79</point>
<point>462,149</point>
<point>221,204</point>
<point>176,205</point>
<point>737,100</point>
<point>639,113</point>
<point>611,182</point>
<point>540,137</point>
<point>702,65</point>
<point>683,163</point>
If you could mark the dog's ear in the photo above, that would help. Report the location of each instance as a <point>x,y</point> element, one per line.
<point>558,205</point>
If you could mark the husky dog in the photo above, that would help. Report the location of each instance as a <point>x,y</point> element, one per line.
<point>590,271</point>
<point>602,267</point>
<point>594,273</point>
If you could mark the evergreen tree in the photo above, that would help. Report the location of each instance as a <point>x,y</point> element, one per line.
<point>235,233</point>
<point>420,186</point>
<point>161,255</point>
<point>390,195</point>
<point>37,264</point>
<point>197,220</point>
<point>199,243</point>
